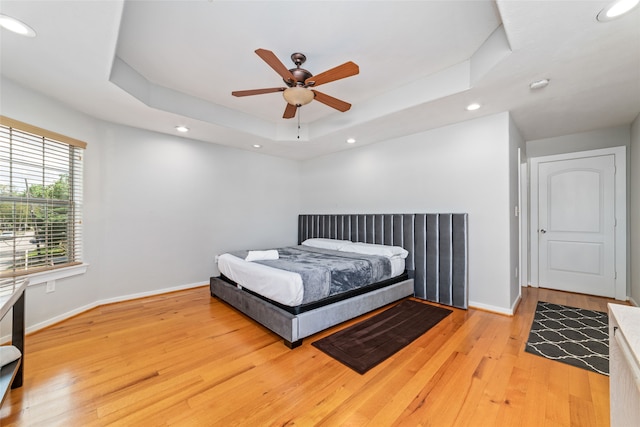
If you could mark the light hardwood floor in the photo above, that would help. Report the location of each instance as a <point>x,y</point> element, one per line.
<point>186,359</point>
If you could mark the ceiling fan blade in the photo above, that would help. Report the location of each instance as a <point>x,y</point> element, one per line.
<point>290,111</point>
<point>347,69</point>
<point>331,101</point>
<point>272,60</point>
<point>256,91</point>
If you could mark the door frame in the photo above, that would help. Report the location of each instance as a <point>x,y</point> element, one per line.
<point>620,161</point>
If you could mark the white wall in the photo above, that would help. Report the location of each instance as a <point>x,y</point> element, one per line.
<point>459,168</point>
<point>583,141</point>
<point>634,223</point>
<point>170,205</point>
<point>516,142</point>
<point>158,208</point>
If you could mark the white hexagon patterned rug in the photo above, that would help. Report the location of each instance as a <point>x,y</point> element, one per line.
<point>571,335</point>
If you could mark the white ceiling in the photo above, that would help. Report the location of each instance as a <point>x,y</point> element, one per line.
<point>158,64</point>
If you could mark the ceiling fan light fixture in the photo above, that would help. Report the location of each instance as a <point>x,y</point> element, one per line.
<point>298,80</point>
<point>298,95</point>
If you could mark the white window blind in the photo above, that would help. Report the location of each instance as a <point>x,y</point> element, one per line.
<point>40,199</point>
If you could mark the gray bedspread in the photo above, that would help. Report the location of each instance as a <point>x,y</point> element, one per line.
<point>326,272</point>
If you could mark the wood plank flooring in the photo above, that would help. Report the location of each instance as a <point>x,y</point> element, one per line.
<point>186,359</point>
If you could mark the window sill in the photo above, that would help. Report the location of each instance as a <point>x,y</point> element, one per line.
<point>61,273</point>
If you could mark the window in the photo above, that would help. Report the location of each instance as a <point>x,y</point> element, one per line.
<point>40,199</point>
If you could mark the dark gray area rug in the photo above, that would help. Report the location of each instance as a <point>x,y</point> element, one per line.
<point>574,336</point>
<point>366,344</point>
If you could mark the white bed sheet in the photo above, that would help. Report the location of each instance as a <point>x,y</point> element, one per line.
<point>278,285</point>
<point>397,266</point>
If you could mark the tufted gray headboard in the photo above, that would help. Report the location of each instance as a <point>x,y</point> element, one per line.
<point>437,245</point>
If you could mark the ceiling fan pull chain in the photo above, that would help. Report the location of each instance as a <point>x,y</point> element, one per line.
<point>299,112</point>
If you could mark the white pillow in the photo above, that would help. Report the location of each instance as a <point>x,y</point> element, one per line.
<point>373,249</point>
<point>262,255</point>
<point>8,354</point>
<point>321,243</point>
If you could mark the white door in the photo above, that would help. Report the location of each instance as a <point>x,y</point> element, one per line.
<point>576,225</point>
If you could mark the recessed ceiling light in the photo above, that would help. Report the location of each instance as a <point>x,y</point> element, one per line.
<point>473,107</point>
<point>351,140</point>
<point>257,146</point>
<point>539,84</point>
<point>182,129</point>
<point>616,9</point>
<point>18,27</point>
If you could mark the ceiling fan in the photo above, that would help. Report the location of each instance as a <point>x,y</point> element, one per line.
<point>299,81</point>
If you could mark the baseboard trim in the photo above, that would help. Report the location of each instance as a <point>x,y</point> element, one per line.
<point>75,312</point>
<point>150,293</point>
<point>495,309</point>
<point>60,318</point>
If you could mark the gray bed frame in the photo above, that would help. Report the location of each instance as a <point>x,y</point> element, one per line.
<point>437,265</point>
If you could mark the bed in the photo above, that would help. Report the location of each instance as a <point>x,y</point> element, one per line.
<point>434,248</point>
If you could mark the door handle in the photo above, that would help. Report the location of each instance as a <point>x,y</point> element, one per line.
<point>543,231</point>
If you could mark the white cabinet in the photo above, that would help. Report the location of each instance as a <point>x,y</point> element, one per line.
<point>624,365</point>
